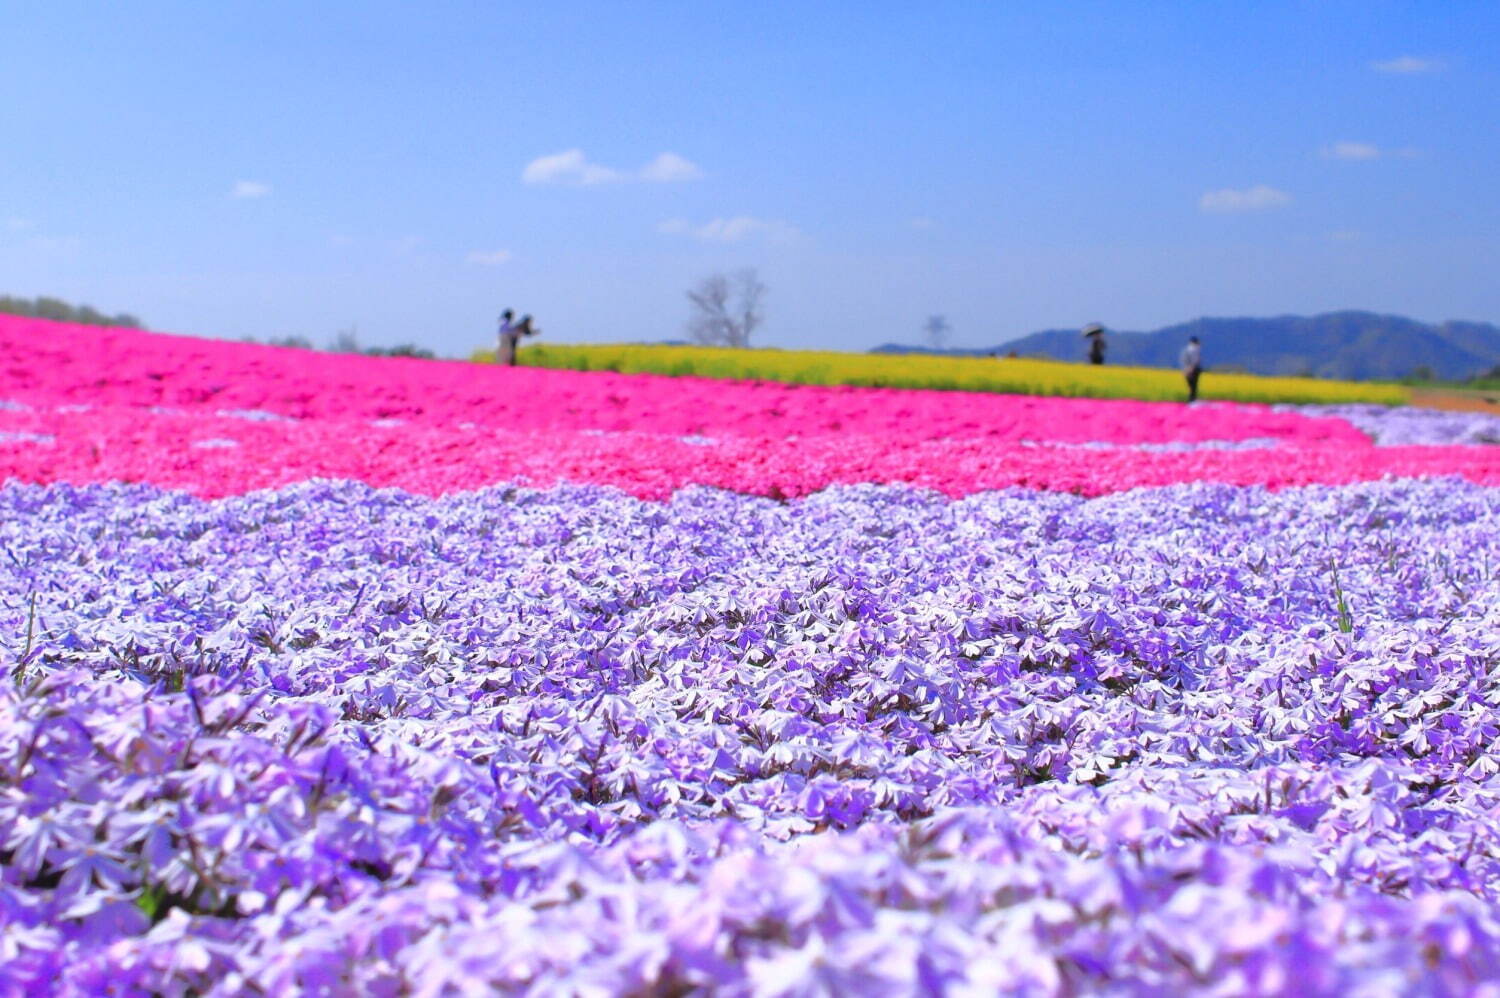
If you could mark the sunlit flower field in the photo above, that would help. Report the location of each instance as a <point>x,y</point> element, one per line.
<point>343,675</point>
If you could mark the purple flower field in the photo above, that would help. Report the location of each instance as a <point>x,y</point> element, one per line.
<point>332,740</point>
<point>1398,427</point>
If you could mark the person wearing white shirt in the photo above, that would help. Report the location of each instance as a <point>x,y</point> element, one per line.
<point>1191,362</point>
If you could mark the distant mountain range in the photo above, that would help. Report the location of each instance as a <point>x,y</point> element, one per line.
<point>1357,346</point>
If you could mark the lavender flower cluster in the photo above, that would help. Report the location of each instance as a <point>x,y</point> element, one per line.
<point>1406,425</point>
<point>330,740</point>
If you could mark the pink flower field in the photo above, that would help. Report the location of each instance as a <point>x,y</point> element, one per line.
<point>84,404</point>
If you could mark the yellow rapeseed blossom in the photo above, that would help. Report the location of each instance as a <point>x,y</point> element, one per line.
<point>1021,376</point>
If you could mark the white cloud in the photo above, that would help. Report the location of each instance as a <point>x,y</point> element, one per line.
<point>1351,150</point>
<point>569,167</point>
<point>923,222</point>
<point>18,224</point>
<point>729,230</point>
<point>573,169</point>
<point>489,258</point>
<point>1408,65</point>
<point>668,168</point>
<point>249,189</point>
<point>1344,235</point>
<point>1255,198</point>
<point>1367,151</point>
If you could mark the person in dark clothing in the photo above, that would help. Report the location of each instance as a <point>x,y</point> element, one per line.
<point>1191,363</point>
<point>1094,333</point>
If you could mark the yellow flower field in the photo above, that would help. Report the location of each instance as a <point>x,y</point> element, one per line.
<point>980,374</point>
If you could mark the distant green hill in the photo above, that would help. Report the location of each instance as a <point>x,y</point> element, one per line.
<point>1353,346</point>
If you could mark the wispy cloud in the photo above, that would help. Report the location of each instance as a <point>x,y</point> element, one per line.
<point>1344,235</point>
<point>1408,65</point>
<point>670,168</point>
<point>923,222</point>
<point>18,224</point>
<point>729,230</point>
<point>1231,201</point>
<point>1351,150</point>
<point>489,258</point>
<point>1366,151</point>
<point>249,189</point>
<point>571,168</point>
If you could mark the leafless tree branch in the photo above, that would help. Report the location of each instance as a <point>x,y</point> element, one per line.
<point>726,310</point>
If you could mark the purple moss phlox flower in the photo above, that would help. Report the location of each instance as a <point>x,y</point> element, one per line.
<point>335,739</point>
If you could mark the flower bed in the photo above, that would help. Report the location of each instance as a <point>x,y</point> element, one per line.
<point>505,700</point>
<point>1401,426</point>
<point>229,452</point>
<point>219,418</point>
<point>873,741</point>
<point>56,363</point>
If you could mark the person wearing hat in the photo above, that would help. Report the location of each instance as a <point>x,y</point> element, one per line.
<point>1094,333</point>
<point>1191,363</point>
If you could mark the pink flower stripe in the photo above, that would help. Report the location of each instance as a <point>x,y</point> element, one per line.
<point>55,363</point>
<point>86,405</point>
<point>222,455</point>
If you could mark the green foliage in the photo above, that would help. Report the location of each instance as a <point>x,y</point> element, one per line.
<point>400,350</point>
<point>1345,616</point>
<point>1489,381</point>
<point>153,903</point>
<point>60,311</point>
<point>345,343</point>
<point>19,672</point>
<point>294,341</point>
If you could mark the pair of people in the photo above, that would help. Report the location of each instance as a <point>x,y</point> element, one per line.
<point>510,335</point>
<point>1190,360</point>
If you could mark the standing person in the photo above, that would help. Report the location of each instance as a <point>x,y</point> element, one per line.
<point>1191,363</point>
<point>1094,333</point>
<point>505,341</point>
<point>510,337</point>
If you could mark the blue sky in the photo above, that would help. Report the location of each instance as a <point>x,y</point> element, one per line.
<point>273,169</point>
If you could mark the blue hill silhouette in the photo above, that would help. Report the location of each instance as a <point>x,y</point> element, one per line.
<point>1349,345</point>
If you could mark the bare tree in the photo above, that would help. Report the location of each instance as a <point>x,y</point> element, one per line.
<point>345,340</point>
<point>726,309</point>
<point>936,327</point>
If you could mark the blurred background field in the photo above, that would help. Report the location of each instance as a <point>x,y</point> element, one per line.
<point>1013,375</point>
